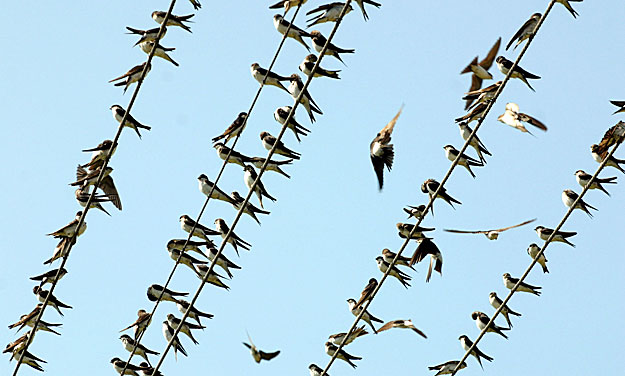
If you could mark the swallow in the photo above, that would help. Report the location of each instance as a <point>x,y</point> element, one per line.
<point>69,230</point>
<point>491,234</point>
<point>319,41</point>
<point>86,178</point>
<point>381,150</point>
<point>315,370</point>
<point>82,197</point>
<point>533,250</point>
<point>447,367</point>
<point>475,113</point>
<point>173,20</point>
<point>295,88</point>
<point>406,228</point>
<point>402,324</point>
<point>18,345</point>
<point>132,76</point>
<point>510,282</point>
<point>482,319</point>
<point>367,292</point>
<point>146,35</point>
<point>233,130</point>
<point>568,6</point>
<point>477,96</point>
<point>155,291</point>
<point>466,344</point>
<point>99,154</point>
<point>195,314</point>
<point>395,272</point>
<point>49,276</point>
<point>560,236</point>
<point>294,32</point>
<point>309,63</point>
<point>281,115</point>
<point>287,4</point>
<point>513,118</point>
<point>175,322</point>
<point>209,188</point>
<point>184,258</point>
<point>148,370</point>
<point>415,211</point>
<point>366,317</point>
<point>257,354</point>
<point>479,70</point>
<point>430,186</point>
<point>476,143</point>
<point>233,157</point>
<point>179,244</point>
<point>361,4</point>
<point>29,320</point>
<point>494,301</point>
<point>28,359</point>
<point>526,31</point>
<point>504,66</point>
<point>131,122</point>
<point>327,13</point>
<point>131,345</point>
<point>250,209</point>
<point>141,324</point>
<point>120,365</point>
<point>389,256</point>
<point>614,135</point>
<point>583,179</point>
<point>619,104</point>
<point>196,5</point>
<point>569,197</point>
<point>338,338</point>
<point>107,185</point>
<point>234,239</point>
<point>272,78</point>
<point>249,178</point>
<point>52,300</point>
<point>612,161</point>
<point>168,333</point>
<point>60,250</point>
<point>427,247</point>
<point>160,51</point>
<point>463,160</point>
<point>342,354</point>
<point>200,231</point>
<point>258,162</point>
<point>222,261</point>
<point>213,277</point>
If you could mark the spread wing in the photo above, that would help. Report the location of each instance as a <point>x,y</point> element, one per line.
<point>488,60</point>
<point>386,326</point>
<point>466,231</point>
<point>269,356</point>
<point>528,119</point>
<point>385,133</point>
<point>519,225</point>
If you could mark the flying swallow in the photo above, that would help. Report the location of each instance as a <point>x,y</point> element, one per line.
<point>294,32</point>
<point>195,314</point>
<point>295,88</point>
<point>193,246</point>
<point>148,370</point>
<point>560,236</point>
<point>402,277</point>
<point>361,4</point>
<point>505,311</point>
<point>447,367</point>
<point>200,231</point>
<point>60,250</point>
<point>510,282</point>
<point>213,277</point>
<point>526,31</point>
<point>309,63</point>
<point>568,6</point>
<point>466,344</point>
<point>281,115</point>
<point>119,366</point>
<point>474,113</point>
<point>185,259</point>
<point>366,317</point>
<point>174,322</point>
<point>130,345</point>
<point>615,134</point>
<point>318,41</point>
<point>222,261</point>
<point>389,256</point>
<point>82,197</point>
<point>233,130</point>
<point>235,157</point>
<point>28,359</point>
<point>107,185</point>
<point>49,276</point>
<point>146,35</point>
<point>257,354</point>
<point>612,161</point>
<point>154,291</point>
<point>484,95</point>
<point>513,118</point>
<point>272,78</point>
<point>287,4</point>
<point>159,52</point>
<point>327,13</point>
<point>427,247</point>
<point>69,230</point>
<point>367,291</point>
<point>209,188</point>
<point>315,370</point>
<point>273,165</point>
<point>132,76</point>
<point>99,154</point>
<point>430,186</point>
<point>406,228</point>
<point>339,337</point>
<point>234,239</point>
<point>569,197</point>
<point>249,178</point>
<point>491,234</point>
<point>168,333</point>
<point>381,150</point>
<point>476,143</point>
<point>504,66</point>
<point>533,250</point>
<point>173,20</point>
<point>250,209</point>
<point>463,160</point>
<point>415,211</point>
<point>482,319</point>
<point>52,300</point>
<point>620,105</point>
<point>402,324</point>
<point>118,114</point>
<point>479,71</point>
<point>342,354</point>
<point>583,178</point>
<point>141,324</point>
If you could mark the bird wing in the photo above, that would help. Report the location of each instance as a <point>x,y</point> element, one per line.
<point>269,356</point>
<point>488,60</point>
<point>386,326</point>
<point>618,103</point>
<point>476,84</point>
<point>518,225</point>
<point>466,231</point>
<point>108,187</point>
<point>385,133</point>
<point>529,119</point>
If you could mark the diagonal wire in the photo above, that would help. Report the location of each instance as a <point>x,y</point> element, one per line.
<point>251,191</point>
<point>69,245</point>
<point>441,185</point>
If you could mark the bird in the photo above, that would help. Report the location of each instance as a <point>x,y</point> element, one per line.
<point>213,277</point>
<point>141,324</point>
<point>269,141</point>
<point>293,31</point>
<point>120,365</point>
<point>389,256</point>
<point>71,229</point>
<point>146,369</point>
<point>29,320</point>
<point>281,114</point>
<point>361,4</point>
<point>560,236</point>
<point>525,31</point>
<point>569,197</point>
<point>211,190</point>
<point>427,247</point>
<point>479,71</point>
<point>133,75</point>
<point>327,13</point>
<point>257,354</point>
<point>447,367</point>
<point>222,261</point>
<point>159,51</point>
<point>619,104</point>
<point>131,345</point>
<point>199,230</point>
<point>479,96</point>
<point>273,165</point>
<point>107,184</point>
<point>168,333</point>
<point>86,178</point>
<point>402,277</point>
<point>18,345</point>
<point>505,65</point>
<point>463,160</point>
<point>231,155</point>
<point>510,282</point>
<point>190,245</point>
<point>338,338</point>
<point>332,349</point>
<point>430,186</point>
<point>402,324</point>
<point>405,230</point>
<point>60,250</point>
<point>195,314</point>
<point>233,239</point>
<point>495,302</point>
<point>513,118</point>
<point>583,179</point>
<point>319,41</point>
<point>481,320</point>
<point>295,88</point>
<point>249,178</point>
<point>476,143</point>
<point>172,20</point>
<point>381,150</point>
<point>50,276</point>
<point>175,322</point>
<point>272,78</point>
<point>315,370</point>
<point>130,122</point>
<point>196,5</point>
<point>367,291</point>
<point>466,344</point>
<point>250,209</point>
<point>146,35</point>
<point>287,4</point>
<point>53,302</point>
<point>415,211</point>
<point>568,6</point>
<point>28,359</point>
<point>491,234</point>
<point>366,317</point>
<point>184,258</point>
<point>309,63</point>
<point>612,136</point>
<point>476,112</point>
<point>155,291</point>
<point>612,161</point>
<point>82,197</point>
<point>99,154</point>
<point>533,250</point>
<point>234,129</point>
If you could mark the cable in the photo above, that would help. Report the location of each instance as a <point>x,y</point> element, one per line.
<point>251,191</point>
<point>67,249</point>
<point>441,185</point>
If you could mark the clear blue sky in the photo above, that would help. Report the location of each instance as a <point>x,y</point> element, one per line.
<point>318,246</point>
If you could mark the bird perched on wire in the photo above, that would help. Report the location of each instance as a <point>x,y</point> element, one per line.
<point>595,150</point>
<point>476,143</point>
<point>463,160</point>
<point>615,134</point>
<point>294,32</point>
<point>173,20</point>
<point>526,31</point>
<point>430,187</point>
<point>287,4</point>
<point>133,75</point>
<point>480,69</point>
<point>327,13</point>
<point>484,95</point>
<point>381,150</point>
<point>257,354</point>
<point>513,118</point>
<point>309,63</point>
<point>319,41</point>
<point>273,79</point>
<point>490,234</point>
<point>583,179</point>
<point>505,65</point>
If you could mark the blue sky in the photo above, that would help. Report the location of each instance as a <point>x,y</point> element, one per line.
<point>318,246</point>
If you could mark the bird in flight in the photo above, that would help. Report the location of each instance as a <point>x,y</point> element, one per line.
<point>490,234</point>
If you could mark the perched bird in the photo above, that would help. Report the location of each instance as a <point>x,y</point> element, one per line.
<point>146,369</point>
<point>415,211</point>
<point>273,165</point>
<point>281,115</point>
<point>569,197</point>
<point>491,234</point>
<point>211,190</point>
<point>155,291</point>
<point>120,365</point>
<point>612,161</point>
<point>338,338</point>
<point>60,250</point>
<point>402,277</point>
<point>231,155</point>
<point>448,367</point>
<point>342,354</point>
<point>141,324</point>
<point>427,247</point>
<point>213,277</point>
<point>389,256</point>
<point>430,186</point>
<point>466,344</point>
<point>480,70</point>
<point>269,141</point>
<point>405,229</point>
<point>560,236</point>
<point>234,239</point>
<point>513,118</point>
<point>191,245</point>
<point>82,197</point>
<point>195,314</point>
<point>287,4</point>
<point>28,359</point>
<point>526,31</point>
<point>249,178</point>
<point>294,32</point>
<point>233,130</point>
<point>159,51</point>
<point>619,104</point>
<point>484,95</point>
<point>99,154</point>
<point>131,345</point>
<point>50,276</point>
<point>463,160</point>
<point>568,6</point>
<point>175,322</point>
<point>481,320</point>
<point>476,112</point>
<point>309,63</point>
<point>184,258</point>
<point>222,261</point>
<point>86,178</point>
<point>107,185</point>
<point>361,4</point>
<point>327,13</point>
<point>381,150</point>
<point>250,209</point>
<point>583,179</point>
<point>168,333</point>
<point>257,354</point>
<point>315,370</point>
<point>402,324</point>
<point>199,230</point>
<point>130,122</point>
<point>366,317</point>
<point>510,282</point>
<point>273,79</point>
<point>69,230</point>
<point>533,250</point>
<point>132,76</point>
<point>494,301</point>
<point>612,136</point>
<point>319,41</point>
<point>146,35</point>
<point>367,291</point>
<point>476,143</point>
<point>53,302</point>
<point>29,320</point>
<point>295,88</point>
<point>172,20</point>
<point>18,345</point>
<point>504,66</point>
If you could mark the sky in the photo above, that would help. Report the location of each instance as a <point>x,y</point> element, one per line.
<point>317,248</point>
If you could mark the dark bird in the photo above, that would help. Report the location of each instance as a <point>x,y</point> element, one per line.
<point>505,65</point>
<point>480,70</point>
<point>257,354</point>
<point>381,150</point>
<point>466,344</point>
<point>526,31</point>
<point>495,302</point>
